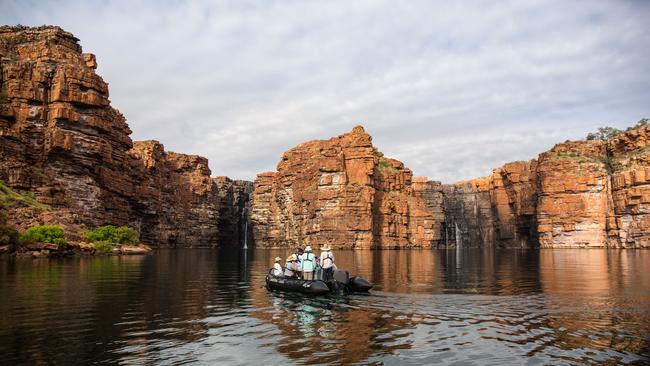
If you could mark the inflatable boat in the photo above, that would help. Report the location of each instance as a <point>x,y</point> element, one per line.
<point>340,282</point>
<point>296,285</point>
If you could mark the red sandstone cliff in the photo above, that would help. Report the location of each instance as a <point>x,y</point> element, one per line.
<point>61,141</point>
<point>343,192</point>
<point>578,194</point>
<point>69,152</point>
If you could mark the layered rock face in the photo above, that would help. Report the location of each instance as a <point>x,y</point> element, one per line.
<point>496,211</point>
<point>234,211</point>
<point>61,141</point>
<point>578,194</point>
<point>342,192</point>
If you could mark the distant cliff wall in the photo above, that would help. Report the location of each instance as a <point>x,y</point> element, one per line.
<point>578,194</point>
<point>344,192</point>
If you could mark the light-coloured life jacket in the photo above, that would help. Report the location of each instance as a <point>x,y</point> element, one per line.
<point>326,259</point>
<point>277,269</point>
<point>288,269</point>
<point>308,262</point>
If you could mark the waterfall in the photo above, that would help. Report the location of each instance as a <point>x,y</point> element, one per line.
<point>458,236</point>
<point>243,215</point>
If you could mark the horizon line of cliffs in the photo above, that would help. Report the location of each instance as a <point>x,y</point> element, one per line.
<point>66,148</point>
<point>345,193</point>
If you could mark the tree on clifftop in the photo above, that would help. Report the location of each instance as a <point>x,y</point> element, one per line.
<point>608,133</point>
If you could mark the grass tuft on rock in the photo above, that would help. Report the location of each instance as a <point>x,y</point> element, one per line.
<point>10,198</point>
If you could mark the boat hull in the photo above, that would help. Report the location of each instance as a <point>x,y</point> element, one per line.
<point>359,284</point>
<point>297,285</point>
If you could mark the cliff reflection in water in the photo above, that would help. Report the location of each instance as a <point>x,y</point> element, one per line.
<point>210,306</point>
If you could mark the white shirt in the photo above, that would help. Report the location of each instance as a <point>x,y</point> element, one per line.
<point>277,269</point>
<point>330,259</point>
<point>288,269</point>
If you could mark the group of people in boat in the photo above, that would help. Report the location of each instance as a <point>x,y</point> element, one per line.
<point>303,264</point>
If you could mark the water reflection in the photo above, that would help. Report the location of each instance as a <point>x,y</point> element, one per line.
<point>429,306</point>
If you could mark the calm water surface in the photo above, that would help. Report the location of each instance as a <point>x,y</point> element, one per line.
<point>428,307</point>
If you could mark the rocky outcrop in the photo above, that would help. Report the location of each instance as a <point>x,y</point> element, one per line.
<point>578,194</point>
<point>629,163</point>
<point>62,143</point>
<point>66,158</point>
<point>40,250</point>
<point>343,192</point>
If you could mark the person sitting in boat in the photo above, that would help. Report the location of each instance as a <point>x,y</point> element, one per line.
<point>308,264</point>
<point>290,266</point>
<point>327,261</point>
<point>277,268</point>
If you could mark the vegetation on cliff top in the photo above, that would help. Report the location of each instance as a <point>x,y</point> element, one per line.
<point>385,164</point>
<point>44,234</point>
<point>607,133</point>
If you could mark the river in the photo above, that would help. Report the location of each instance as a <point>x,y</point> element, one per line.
<point>196,306</point>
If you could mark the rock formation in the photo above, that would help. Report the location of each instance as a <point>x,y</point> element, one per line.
<point>343,192</point>
<point>578,194</point>
<point>234,209</point>
<point>67,158</point>
<point>62,142</point>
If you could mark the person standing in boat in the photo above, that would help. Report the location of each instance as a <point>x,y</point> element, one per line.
<point>327,261</point>
<point>296,262</point>
<point>277,268</point>
<point>290,266</point>
<point>308,264</point>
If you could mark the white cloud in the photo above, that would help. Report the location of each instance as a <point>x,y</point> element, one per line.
<point>453,90</point>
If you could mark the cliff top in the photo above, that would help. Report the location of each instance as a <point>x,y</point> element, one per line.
<point>13,40</point>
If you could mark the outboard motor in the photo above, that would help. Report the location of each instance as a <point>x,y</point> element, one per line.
<point>359,284</point>
<point>341,276</point>
<point>339,281</point>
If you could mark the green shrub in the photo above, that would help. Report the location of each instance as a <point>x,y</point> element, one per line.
<point>44,234</point>
<point>114,234</point>
<point>104,246</point>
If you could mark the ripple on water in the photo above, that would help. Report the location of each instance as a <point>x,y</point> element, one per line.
<point>210,307</point>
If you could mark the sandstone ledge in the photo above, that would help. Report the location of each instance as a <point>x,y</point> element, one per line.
<point>47,250</point>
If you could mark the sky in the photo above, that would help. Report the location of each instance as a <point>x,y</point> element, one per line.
<point>452,89</point>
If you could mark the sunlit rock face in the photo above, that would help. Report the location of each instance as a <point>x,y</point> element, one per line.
<point>578,194</point>
<point>629,163</point>
<point>61,141</point>
<point>343,192</point>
